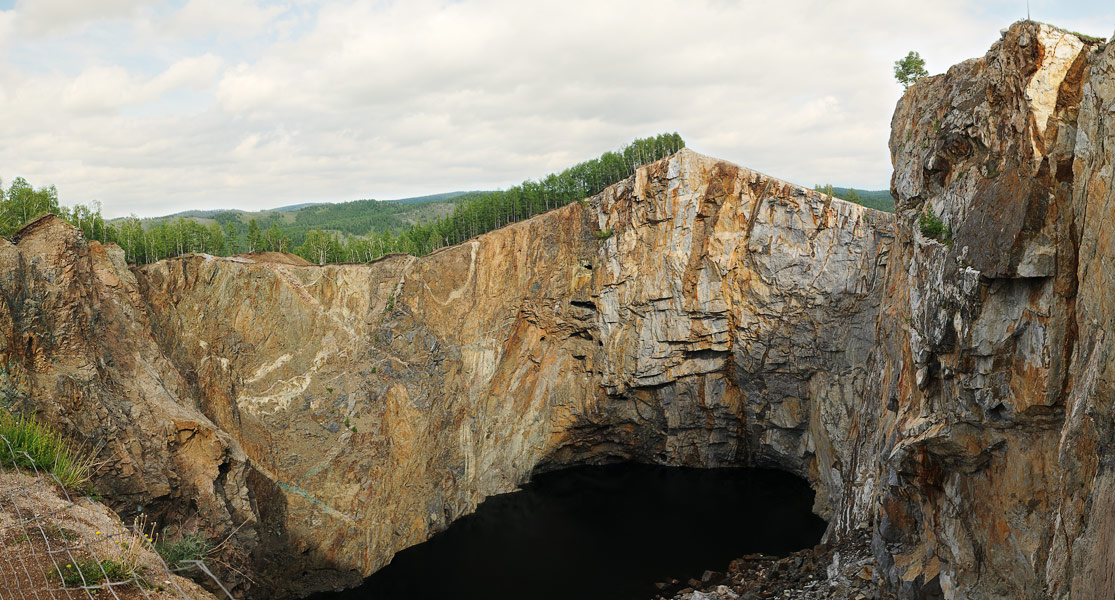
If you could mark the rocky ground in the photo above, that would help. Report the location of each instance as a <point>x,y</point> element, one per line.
<point>44,533</point>
<point>841,571</point>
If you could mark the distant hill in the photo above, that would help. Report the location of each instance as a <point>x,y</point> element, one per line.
<point>434,197</point>
<point>877,199</point>
<point>357,217</point>
<point>297,206</point>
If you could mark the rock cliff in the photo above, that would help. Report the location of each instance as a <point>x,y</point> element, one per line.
<point>984,447</point>
<point>76,346</point>
<point>698,314</point>
<point>947,388</point>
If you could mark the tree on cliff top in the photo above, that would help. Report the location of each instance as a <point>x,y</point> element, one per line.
<point>909,69</point>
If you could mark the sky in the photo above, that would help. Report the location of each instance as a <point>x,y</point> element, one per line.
<point>155,106</point>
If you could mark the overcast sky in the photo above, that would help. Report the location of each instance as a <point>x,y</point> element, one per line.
<point>153,107</point>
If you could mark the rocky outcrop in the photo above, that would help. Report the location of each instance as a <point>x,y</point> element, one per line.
<point>44,533</point>
<point>945,385</point>
<point>76,347</point>
<point>982,446</point>
<point>698,314</point>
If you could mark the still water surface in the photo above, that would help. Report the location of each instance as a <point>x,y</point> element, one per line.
<point>605,532</point>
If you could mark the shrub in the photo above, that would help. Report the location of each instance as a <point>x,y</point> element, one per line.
<point>604,234</point>
<point>31,444</point>
<point>909,69</point>
<point>933,227</point>
<point>188,547</point>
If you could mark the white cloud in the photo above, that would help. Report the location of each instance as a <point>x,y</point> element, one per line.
<point>198,72</point>
<point>199,17</point>
<point>255,104</point>
<point>43,16</point>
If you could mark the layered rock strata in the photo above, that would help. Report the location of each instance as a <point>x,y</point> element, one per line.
<point>985,442</point>
<point>698,314</point>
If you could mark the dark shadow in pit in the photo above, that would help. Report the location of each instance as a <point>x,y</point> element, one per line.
<point>604,532</point>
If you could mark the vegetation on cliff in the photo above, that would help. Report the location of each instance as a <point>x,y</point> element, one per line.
<point>348,232</point>
<point>26,443</point>
<point>909,69</point>
<point>933,227</point>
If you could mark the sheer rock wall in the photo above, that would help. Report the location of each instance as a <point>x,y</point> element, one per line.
<point>987,428</point>
<point>698,314</point>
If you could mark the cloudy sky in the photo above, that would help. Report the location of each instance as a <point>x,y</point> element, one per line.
<point>155,106</point>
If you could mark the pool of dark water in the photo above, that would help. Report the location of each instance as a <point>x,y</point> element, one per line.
<point>607,532</point>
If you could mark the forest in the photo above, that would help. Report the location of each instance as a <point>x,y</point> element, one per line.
<point>344,232</point>
<point>877,199</point>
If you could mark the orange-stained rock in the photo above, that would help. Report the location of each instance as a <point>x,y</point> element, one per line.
<point>978,445</point>
<point>76,346</point>
<point>725,320</point>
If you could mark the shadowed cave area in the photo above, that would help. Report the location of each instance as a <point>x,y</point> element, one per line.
<point>603,532</point>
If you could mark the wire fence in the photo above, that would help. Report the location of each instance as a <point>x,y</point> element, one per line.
<point>55,547</point>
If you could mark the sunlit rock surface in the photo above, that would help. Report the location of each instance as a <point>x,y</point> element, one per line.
<point>698,314</point>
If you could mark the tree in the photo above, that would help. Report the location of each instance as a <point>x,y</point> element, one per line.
<point>273,239</point>
<point>909,69</point>
<point>24,204</point>
<point>316,246</point>
<point>255,237</point>
<point>232,238</point>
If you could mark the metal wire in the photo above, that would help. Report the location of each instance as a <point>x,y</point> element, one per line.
<point>47,560</point>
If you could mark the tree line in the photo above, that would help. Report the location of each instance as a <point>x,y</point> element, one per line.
<point>346,232</point>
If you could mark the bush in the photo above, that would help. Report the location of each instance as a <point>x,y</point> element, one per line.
<point>604,234</point>
<point>31,444</point>
<point>933,227</point>
<point>188,547</point>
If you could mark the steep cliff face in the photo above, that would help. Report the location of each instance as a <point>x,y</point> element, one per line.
<point>1082,558</point>
<point>698,314</point>
<point>76,346</point>
<point>983,440</point>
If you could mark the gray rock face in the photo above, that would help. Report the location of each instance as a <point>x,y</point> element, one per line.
<point>976,460</point>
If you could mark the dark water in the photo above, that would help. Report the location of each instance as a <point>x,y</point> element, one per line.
<point>602,532</point>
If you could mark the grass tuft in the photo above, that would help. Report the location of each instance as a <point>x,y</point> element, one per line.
<point>31,444</point>
<point>90,572</point>
<point>188,547</point>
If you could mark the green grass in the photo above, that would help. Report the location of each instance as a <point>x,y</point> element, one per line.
<point>188,547</point>
<point>90,572</point>
<point>31,444</point>
<point>1091,39</point>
